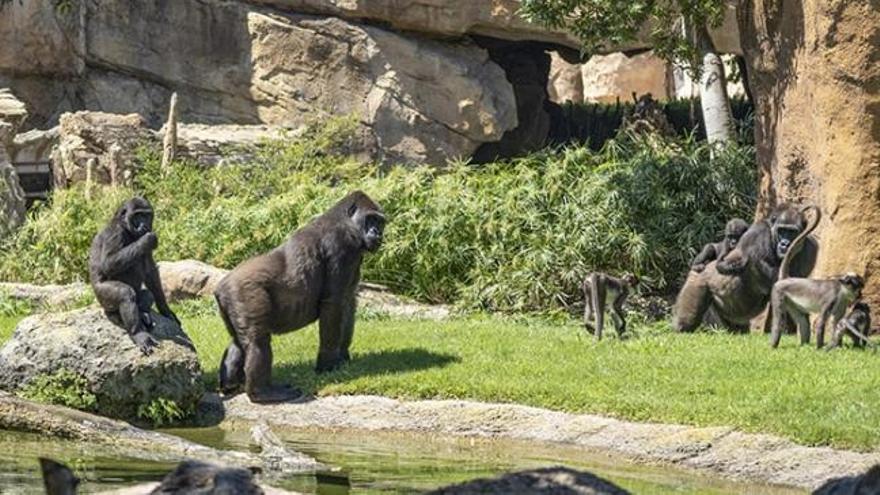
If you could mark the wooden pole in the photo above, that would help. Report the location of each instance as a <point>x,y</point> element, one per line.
<point>169,143</point>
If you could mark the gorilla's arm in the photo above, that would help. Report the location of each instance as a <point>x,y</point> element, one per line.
<point>116,259</point>
<point>708,254</point>
<point>752,246</point>
<point>154,285</point>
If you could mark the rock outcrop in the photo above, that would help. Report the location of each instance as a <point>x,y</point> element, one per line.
<point>12,199</point>
<point>814,71</point>
<point>105,142</point>
<point>422,90</point>
<point>189,279</point>
<point>87,344</point>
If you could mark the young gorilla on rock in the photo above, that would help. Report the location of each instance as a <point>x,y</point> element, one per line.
<point>713,251</point>
<point>121,264</point>
<point>312,276</point>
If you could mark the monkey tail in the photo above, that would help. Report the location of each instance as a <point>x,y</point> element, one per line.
<point>796,245</point>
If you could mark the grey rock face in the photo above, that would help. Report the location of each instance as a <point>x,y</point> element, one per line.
<point>121,377</point>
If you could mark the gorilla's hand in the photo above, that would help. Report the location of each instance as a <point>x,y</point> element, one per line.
<point>145,342</point>
<point>732,264</point>
<point>147,320</point>
<point>167,313</point>
<point>150,240</point>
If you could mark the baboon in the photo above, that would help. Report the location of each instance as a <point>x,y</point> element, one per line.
<point>800,297</point>
<point>601,289</point>
<point>732,291</point>
<point>856,324</point>
<point>124,275</point>
<point>713,251</point>
<point>314,275</point>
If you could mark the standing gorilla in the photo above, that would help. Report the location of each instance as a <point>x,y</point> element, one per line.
<point>121,264</point>
<point>736,289</point>
<point>312,276</point>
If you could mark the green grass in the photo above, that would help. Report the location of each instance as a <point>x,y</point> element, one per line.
<point>815,398</point>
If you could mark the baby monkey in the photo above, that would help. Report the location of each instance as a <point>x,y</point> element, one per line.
<point>601,290</point>
<point>716,251</point>
<point>801,297</point>
<point>856,324</point>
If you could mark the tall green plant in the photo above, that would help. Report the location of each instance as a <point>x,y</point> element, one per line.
<point>512,236</point>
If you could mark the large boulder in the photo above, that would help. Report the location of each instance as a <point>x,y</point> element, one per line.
<point>607,78</point>
<point>813,69</point>
<point>417,99</point>
<point>493,18</point>
<point>225,144</point>
<point>189,279</point>
<point>12,199</point>
<point>107,142</point>
<point>86,343</point>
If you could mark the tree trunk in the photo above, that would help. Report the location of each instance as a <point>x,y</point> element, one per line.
<point>713,91</point>
<point>814,72</point>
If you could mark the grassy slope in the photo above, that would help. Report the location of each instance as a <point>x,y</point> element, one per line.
<point>702,379</point>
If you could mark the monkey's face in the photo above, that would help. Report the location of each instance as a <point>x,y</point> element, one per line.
<point>786,223</point>
<point>631,280</point>
<point>853,282</point>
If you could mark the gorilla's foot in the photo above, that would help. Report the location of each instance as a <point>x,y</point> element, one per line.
<point>330,362</point>
<point>275,394</point>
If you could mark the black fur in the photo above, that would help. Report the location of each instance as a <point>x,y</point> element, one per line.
<point>716,251</point>
<point>199,478</point>
<point>312,276</point>
<point>124,275</point>
<point>736,289</point>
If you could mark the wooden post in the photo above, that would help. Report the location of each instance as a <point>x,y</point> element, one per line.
<point>169,143</point>
<point>91,168</point>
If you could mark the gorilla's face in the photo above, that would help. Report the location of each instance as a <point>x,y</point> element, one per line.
<point>373,229</point>
<point>138,216</point>
<point>733,231</point>
<point>786,223</point>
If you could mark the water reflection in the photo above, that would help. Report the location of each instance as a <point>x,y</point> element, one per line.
<point>371,463</point>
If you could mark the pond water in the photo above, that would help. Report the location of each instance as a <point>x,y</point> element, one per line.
<point>371,463</point>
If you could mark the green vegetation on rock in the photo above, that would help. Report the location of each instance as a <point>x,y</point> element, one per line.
<point>63,388</point>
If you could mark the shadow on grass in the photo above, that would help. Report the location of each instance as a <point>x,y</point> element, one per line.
<point>303,375</point>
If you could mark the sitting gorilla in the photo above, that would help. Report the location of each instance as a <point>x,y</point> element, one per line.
<point>732,291</point>
<point>124,275</point>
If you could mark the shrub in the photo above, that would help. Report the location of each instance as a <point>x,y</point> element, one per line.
<point>512,236</point>
<point>162,412</point>
<point>63,388</point>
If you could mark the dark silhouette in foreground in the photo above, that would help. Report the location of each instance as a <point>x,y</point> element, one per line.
<point>862,484</point>
<point>545,481</point>
<point>189,477</point>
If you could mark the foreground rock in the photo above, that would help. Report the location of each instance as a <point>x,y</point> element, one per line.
<point>117,438</point>
<point>118,374</point>
<point>718,450</point>
<point>549,481</point>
